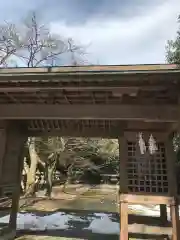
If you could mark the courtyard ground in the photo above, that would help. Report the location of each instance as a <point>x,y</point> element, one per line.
<point>83,212</point>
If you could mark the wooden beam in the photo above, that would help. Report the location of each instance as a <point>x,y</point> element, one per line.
<point>37,129</point>
<point>93,87</point>
<point>151,126</point>
<point>146,199</point>
<point>90,132</point>
<point>152,113</point>
<point>150,230</point>
<point>90,69</point>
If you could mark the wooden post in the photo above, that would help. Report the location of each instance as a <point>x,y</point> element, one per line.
<point>16,193</point>
<point>163,213</point>
<point>174,211</point>
<point>123,188</point>
<point>12,164</point>
<point>2,147</point>
<point>124,220</point>
<point>172,182</point>
<point>21,139</point>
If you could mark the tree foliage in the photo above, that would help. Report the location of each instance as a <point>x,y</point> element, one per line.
<point>9,43</point>
<point>173,48</point>
<point>173,56</point>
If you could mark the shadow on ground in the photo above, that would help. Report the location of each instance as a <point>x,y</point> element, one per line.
<point>75,234</point>
<point>76,228</point>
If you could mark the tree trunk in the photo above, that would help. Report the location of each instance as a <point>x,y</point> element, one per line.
<point>49,170</point>
<point>68,176</point>
<point>49,182</point>
<point>31,174</point>
<point>65,184</point>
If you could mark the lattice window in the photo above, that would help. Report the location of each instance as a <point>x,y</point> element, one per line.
<point>149,176</point>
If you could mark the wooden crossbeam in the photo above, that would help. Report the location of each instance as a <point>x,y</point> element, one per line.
<point>152,113</point>
<point>146,199</point>
<point>96,128</point>
<point>90,68</point>
<point>94,87</point>
<point>93,132</point>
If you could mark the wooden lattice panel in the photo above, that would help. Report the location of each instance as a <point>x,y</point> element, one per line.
<point>149,176</point>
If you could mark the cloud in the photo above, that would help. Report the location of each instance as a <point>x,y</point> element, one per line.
<point>118,31</point>
<point>140,38</point>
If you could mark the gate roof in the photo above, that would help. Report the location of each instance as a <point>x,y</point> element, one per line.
<point>81,97</point>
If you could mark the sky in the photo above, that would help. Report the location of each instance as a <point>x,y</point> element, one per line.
<point>114,31</point>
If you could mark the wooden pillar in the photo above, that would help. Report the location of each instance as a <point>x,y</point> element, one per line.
<point>174,211</point>
<point>123,188</point>
<point>163,213</point>
<point>2,144</point>
<point>12,164</point>
<point>16,193</point>
<point>172,181</point>
<point>124,220</point>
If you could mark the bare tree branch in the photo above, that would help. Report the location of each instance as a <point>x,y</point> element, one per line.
<point>9,42</point>
<point>40,47</point>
